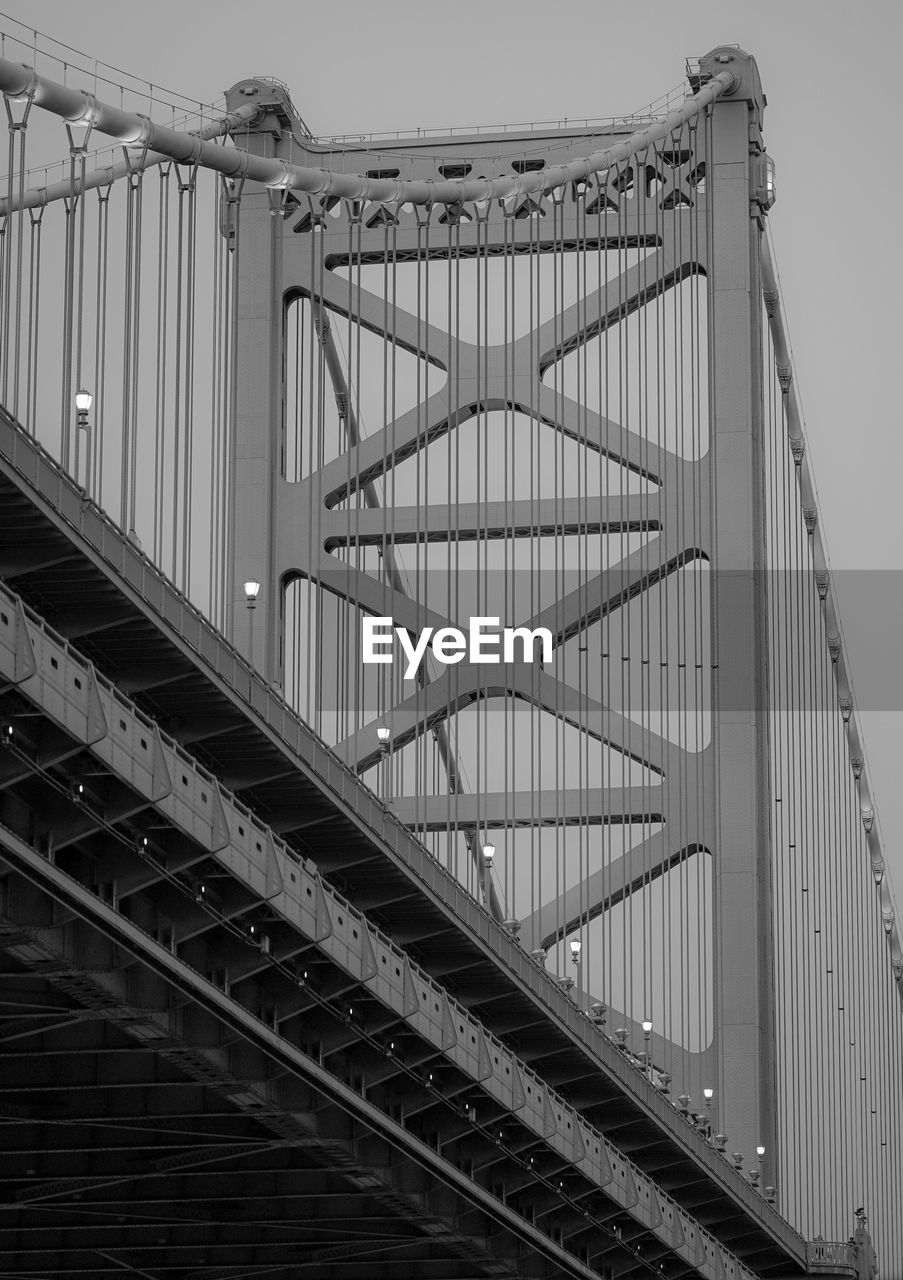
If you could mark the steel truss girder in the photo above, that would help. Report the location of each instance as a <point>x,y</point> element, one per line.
<point>216,832</point>
<point>23,942</point>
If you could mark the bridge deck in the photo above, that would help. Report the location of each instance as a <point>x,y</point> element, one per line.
<point>62,557</point>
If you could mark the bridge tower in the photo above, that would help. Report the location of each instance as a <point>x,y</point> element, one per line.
<point>527,377</point>
<point>686,213</point>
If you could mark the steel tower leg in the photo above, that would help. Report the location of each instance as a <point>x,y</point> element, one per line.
<point>256,457</point>
<point>744,997</point>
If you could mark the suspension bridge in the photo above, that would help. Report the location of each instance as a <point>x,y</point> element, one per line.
<point>313,964</point>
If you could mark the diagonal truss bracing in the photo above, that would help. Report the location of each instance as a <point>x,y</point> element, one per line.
<point>393,410</point>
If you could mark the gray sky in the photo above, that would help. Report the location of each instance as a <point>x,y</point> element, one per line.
<point>829,68</point>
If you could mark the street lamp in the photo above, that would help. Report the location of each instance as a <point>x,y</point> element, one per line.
<point>488,851</point>
<point>384,738</point>
<point>252,590</point>
<point>576,946</point>
<point>708,1093</point>
<point>647,1045</point>
<point>83,402</point>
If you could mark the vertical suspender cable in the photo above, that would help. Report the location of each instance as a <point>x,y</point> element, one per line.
<point>188,416</point>
<point>233,193</point>
<point>100,343</point>
<point>34,298</point>
<point>130,367</point>
<point>14,339</point>
<point>80,295</point>
<point>70,205</point>
<point>159,522</point>
<point>216,331</point>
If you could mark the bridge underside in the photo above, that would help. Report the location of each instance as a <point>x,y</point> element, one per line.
<point>164,1155</point>
<point>215,1117</point>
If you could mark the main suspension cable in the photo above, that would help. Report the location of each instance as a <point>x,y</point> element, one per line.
<point>23,84</point>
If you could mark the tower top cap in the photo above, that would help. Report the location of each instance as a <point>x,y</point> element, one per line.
<point>742,66</point>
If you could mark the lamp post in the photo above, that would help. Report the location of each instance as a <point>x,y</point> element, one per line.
<point>709,1093</point>
<point>488,855</point>
<point>384,737</point>
<point>252,591</point>
<point>647,1046</point>
<point>83,402</point>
